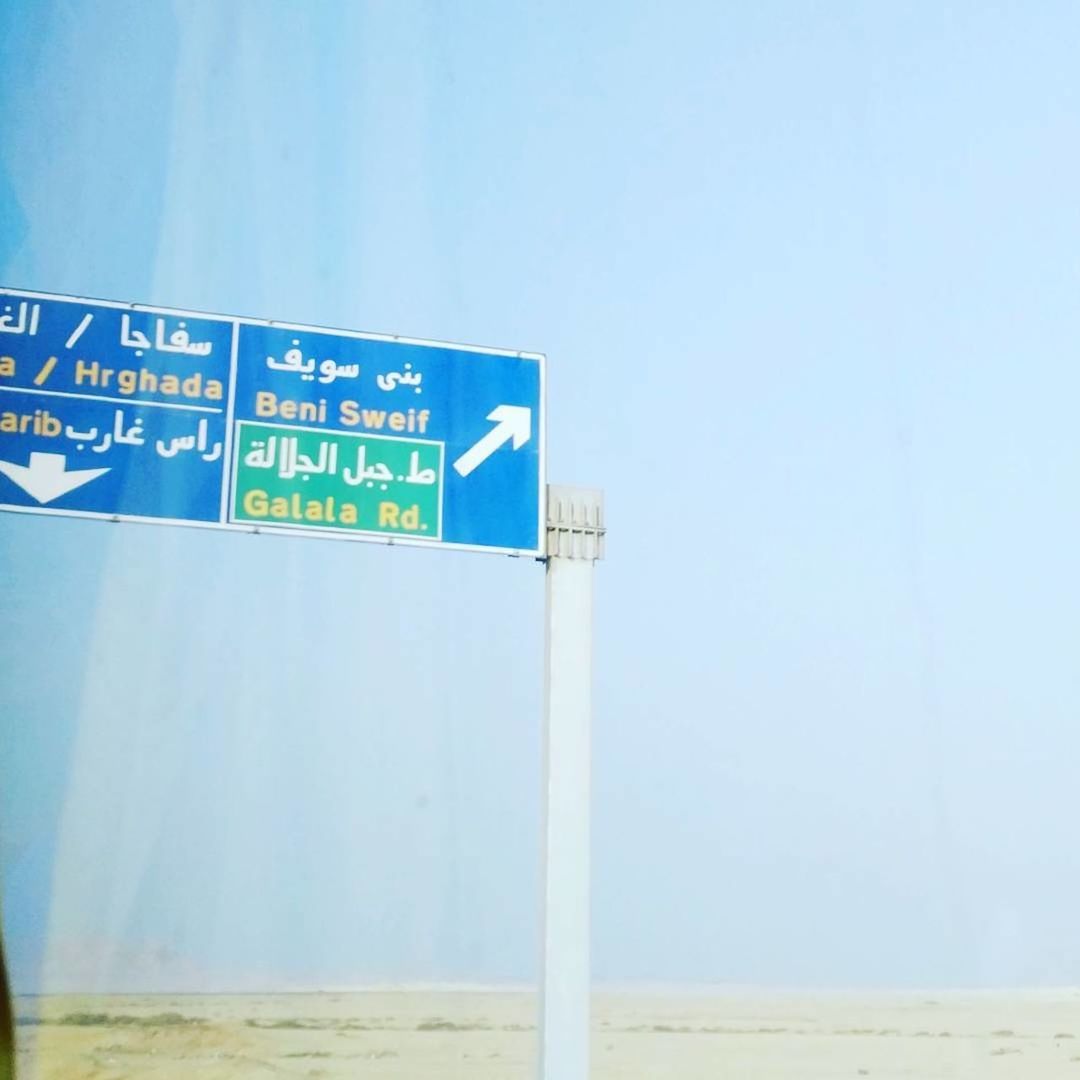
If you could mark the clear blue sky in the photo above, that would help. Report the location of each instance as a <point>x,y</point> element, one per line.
<point>807,279</point>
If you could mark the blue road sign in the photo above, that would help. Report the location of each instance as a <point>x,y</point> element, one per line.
<point>138,413</point>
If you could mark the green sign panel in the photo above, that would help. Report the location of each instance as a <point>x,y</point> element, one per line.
<point>328,481</point>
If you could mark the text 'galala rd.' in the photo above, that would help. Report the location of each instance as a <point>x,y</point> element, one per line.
<point>129,412</point>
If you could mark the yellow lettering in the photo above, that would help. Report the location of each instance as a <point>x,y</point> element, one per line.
<point>349,413</point>
<point>85,372</point>
<point>39,422</point>
<point>258,504</point>
<point>388,514</point>
<point>7,366</point>
<point>42,377</point>
<point>265,403</point>
<point>396,421</point>
<point>255,503</point>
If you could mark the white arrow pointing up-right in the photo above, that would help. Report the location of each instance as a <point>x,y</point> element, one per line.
<point>45,477</point>
<point>512,422</point>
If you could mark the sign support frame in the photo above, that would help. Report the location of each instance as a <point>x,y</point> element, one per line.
<point>575,541</point>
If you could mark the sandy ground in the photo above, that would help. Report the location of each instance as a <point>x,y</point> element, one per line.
<point>492,1036</point>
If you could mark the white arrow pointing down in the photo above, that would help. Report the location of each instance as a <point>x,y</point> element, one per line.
<point>512,422</point>
<point>45,478</point>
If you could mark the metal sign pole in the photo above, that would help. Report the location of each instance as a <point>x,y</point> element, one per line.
<point>575,537</point>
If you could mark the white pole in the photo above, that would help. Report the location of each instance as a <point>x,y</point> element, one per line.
<point>575,542</point>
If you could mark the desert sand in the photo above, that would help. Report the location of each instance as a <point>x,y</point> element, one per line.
<point>490,1035</point>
